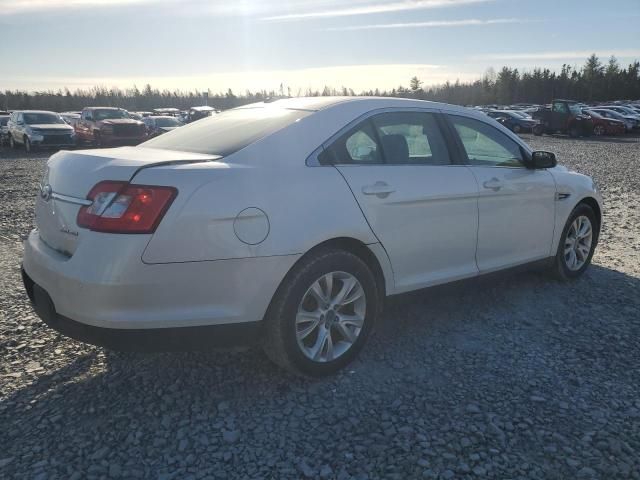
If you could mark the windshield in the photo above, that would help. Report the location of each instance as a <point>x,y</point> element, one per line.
<point>592,113</point>
<point>106,114</point>
<point>37,118</point>
<point>167,122</point>
<point>227,132</point>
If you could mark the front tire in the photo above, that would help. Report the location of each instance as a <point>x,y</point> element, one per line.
<point>27,145</point>
<point>322,313</point>
<point>538,130</point>
<point>577,243</point>
<point>599,130</point>
<point>12,142</point>
<point>517,129</point>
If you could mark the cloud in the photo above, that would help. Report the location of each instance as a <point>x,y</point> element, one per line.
<point>9,7</point>
<point>358,77</point>
<point>431,24</point>
<point>373,7</point>
<point>560,55</point>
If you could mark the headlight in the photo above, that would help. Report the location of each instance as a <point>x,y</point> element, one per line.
<point>613,124</point>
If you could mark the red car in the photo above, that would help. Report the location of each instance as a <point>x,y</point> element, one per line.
<point>605,126</point>
<point>107,126</point>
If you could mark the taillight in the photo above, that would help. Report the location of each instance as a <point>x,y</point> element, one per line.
<point>120,207</point>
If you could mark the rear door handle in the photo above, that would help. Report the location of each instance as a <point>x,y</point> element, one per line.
<point>493,184</point>
<point>379,189</point>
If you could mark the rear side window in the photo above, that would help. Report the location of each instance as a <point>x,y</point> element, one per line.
<point>397,138</point>
<point>486,145</point>
<point>411,138</point>
<point>227,132</point>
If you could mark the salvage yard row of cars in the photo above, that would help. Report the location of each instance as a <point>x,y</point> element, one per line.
<point>97,126</point>
<point>569,117</point>
<point>109,126</point>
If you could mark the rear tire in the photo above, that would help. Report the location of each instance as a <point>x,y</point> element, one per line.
<point>538,130</point>
<point>572,257</point>
<point>309,338</point>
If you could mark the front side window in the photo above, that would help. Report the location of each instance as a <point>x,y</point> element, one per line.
<point>560,108</point>
<point>485,145</point>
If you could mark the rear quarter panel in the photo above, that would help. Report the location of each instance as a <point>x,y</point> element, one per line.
<point>304,206</point>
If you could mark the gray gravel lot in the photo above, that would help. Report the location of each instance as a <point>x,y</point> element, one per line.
<point>511,376</point>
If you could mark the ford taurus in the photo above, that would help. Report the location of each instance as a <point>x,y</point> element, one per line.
<point>288,222</point>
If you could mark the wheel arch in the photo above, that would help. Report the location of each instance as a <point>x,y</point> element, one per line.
<point>379,267</point>
<point>595,206</point>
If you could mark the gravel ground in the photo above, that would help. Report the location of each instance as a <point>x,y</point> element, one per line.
<point>510,376</point>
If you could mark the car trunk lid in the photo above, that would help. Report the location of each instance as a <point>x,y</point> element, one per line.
<point>70,176</point>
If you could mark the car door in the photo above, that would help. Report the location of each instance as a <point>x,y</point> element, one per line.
<point>516,205</point>
<point>420,205</point>
<point>559,116</point>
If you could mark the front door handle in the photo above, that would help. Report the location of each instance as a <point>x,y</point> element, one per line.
<point>379,189</point>
<point>493,184</point>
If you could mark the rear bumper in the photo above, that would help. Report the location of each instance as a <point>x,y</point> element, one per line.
<point>105,284</point>
<point>141,340</point>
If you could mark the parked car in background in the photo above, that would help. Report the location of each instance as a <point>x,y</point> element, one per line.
<point>197,113</point>
<point>605,126</point>
<point>38,128</point>
<point>515,121</point>
<point>107,126</point>
<point>625,112</point>
<point>564,116</point>
<point>4,129</point>
<point>157,125</point>
<point>71,117</point>
<point>166,112</point>
<point>185,241</point>
<point>629,122</point>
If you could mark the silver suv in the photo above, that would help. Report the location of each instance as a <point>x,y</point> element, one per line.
<point>36,128</point>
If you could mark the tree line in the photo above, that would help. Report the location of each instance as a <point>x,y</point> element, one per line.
<point>595,81</point>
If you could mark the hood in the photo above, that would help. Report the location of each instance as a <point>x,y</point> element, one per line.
<point>51,126</point>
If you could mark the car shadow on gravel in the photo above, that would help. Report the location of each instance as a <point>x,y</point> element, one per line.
<point>434,318</point>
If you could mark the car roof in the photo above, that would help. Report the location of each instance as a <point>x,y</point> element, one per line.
<point>103,108</point>
<point>363,103</point>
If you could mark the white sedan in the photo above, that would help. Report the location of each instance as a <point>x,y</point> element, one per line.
<point>288,222</point>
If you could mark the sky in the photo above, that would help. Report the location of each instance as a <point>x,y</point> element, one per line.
<point>257,44</point>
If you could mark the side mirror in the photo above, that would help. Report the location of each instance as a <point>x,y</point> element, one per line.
<point>540,159</point>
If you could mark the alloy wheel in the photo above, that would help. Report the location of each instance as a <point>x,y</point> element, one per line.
<point>330,316</point>
<point>577,244</point>
<point>599,130</point>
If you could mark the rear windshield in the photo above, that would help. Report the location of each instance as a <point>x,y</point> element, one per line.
<point>227,132</point>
